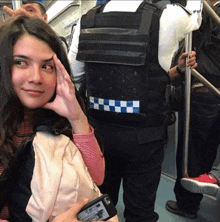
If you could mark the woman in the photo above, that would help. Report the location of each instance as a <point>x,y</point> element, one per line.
<point>36,89</point>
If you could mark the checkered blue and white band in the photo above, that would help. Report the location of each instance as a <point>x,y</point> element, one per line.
<point>119,106</point>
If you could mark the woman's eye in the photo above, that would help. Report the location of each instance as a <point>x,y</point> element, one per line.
<point>48,67</point>
<point>20,63</point>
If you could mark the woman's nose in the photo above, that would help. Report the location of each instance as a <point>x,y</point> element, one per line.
<point>35,75</point>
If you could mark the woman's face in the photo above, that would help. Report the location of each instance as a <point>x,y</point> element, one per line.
<point>33,71</point>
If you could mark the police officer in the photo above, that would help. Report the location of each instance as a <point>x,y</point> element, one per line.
<point>117,48</point>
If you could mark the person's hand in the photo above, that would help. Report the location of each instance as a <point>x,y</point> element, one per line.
<point>65,103</point>
<point>17,12</point>
<point>191,62</point>
<point>71,214</point>
<point>179,69</point>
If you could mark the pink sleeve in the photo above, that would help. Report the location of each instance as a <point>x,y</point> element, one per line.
<point>4,214</point>
<point>92,155</point>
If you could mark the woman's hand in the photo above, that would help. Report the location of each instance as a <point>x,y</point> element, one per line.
<point>71,214</point>
<point>65,103</point>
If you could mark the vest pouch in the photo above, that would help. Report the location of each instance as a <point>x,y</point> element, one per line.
<point>113,45</point>
<point>176,97</point>
<point>104,40</point>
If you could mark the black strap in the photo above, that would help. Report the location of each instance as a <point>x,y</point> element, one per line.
<point>147,14</point>
<point>148,10</point>
<point>187,11</point>
<point>90,16</point>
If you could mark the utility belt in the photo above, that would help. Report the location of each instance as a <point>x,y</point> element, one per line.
<point>128,119</point>
<point>200,88</point>
<point>125,113</point>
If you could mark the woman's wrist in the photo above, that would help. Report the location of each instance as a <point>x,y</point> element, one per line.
<point>81,126</point>
<point>180,71</point>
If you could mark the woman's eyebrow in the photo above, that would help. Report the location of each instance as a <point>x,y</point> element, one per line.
<point>26,57</point>
<point>21,56</point>
<point>48,60</point>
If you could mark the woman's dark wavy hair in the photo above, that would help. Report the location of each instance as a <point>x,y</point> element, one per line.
<point>11,109</point>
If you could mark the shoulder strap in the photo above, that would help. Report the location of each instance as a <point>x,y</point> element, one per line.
<point>148,9</point>
<point>55,127</point>
<point>90,15</point>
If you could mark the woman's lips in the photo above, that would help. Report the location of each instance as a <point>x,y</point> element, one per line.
<point>33,92</point>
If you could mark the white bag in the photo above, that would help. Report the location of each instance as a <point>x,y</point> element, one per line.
<point>60,177</point>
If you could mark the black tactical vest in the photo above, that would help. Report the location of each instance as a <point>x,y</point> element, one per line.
<point>125,82</point>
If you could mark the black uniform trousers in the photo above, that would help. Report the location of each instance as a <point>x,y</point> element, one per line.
<point>133,156</point>
<point>204,138</point>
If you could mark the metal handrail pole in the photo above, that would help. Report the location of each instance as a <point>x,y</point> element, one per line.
<point>211,12</point>
<point>16,4</point>
<point>203,80</point>
<point>188,47</point>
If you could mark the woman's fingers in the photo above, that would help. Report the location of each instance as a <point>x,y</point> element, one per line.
<point>62,71</point>
<point>63,78</point>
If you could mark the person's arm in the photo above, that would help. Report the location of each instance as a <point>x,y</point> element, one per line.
<point>86,143</point>
<point>92,155</point>
<point>175,24</point>
<point>66,104</point>
<point>4,212</point>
